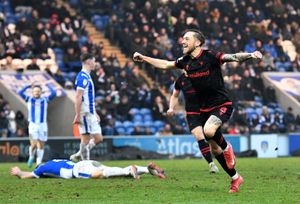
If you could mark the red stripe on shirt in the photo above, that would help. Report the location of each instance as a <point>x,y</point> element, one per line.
<point>212,108</point>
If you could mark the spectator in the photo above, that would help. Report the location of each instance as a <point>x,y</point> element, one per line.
<point>33,65</point>
<point>4,124</point>
<point>137,131</point>
<point>123,109</point>
<point>166,131</point>
<point>290,119</point>
<point>159,109</point>
<point>21,122</point>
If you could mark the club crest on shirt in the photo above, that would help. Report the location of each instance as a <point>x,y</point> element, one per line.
<point>223,110</point>
<point>84,82</point>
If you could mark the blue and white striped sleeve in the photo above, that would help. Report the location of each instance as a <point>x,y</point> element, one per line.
<point>82,82</point>
<point>22,93</point>
<point>52,93</point>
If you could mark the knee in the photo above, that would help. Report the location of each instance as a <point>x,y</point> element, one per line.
<point>198,134</point>
<point>216,150</point>
<point>98,139</point>
<point>209,131</point>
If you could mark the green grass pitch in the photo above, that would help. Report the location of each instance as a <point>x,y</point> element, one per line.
<point>266,181</point>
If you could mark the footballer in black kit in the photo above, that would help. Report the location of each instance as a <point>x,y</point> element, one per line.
<point>193,116</point>
<point>205,75</point>
<point>203,68</point>
<point>192,105</point>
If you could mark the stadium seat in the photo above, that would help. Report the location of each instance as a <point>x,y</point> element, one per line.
<point>127,124</point>
<point>129,130</point>
<point>58,51</point>
<point>258,111</point>
<point>159,124</point>
<point>145,111</point>
<point>118,123</point>
<point>138,123</point>
<point>134,111</point>
<point>75,65</point>
<point>120,130</point>
<point>95,18</point>
<point>137,118</point>
<point>74,3</point>
<point>147,118</point>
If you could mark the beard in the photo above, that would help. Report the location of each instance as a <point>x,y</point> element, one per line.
<point>188,51</point>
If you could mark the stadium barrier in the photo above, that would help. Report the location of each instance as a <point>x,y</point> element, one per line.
<point>294,144</point>
<point>16,149</point>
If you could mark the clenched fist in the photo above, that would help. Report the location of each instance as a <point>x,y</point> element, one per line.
<point>138,57</point>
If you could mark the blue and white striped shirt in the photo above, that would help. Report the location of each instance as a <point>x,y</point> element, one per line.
<point>55,168</point>
<point>37,107</point>
<point>84,82</point>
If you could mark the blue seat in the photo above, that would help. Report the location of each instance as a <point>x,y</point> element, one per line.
<point>105,20</point>
<point>95,18</point>
<point>82,40</point>
<point>73,65</point>
<point>74,3</point>
<point>121,130</point>
<point>271,110</point>
<point>118,124</point>
<point>129,130</point>
<point>58,51</point>
<point>145,111</point>
<point>59,57</point>
<point>147,118</point>
<point>253,116</point>
<point>138,123</point>
<point>99,25</point>
<point>159,124</point>
<point>148,124</point>
<point>258,111</point>
<point>134,111</point>
<point>127,124</point>
<point>137,118</point>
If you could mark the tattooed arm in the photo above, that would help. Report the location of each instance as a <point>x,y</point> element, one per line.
<point>241,57</point>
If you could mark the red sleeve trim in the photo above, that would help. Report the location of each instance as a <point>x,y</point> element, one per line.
<point>175,64</point>
<point>215,107</point>
<point>193,113</point>
<point>221,58</point>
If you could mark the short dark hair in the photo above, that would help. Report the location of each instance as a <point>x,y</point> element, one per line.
<point>198,34</point>
<point>86,56</point>
<point>36,86</point>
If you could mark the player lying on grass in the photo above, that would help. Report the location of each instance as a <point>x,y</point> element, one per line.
<point>67,169</point>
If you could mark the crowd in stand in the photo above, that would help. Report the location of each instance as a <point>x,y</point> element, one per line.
<point>12,124</point>
<point>154,28</point>
<point>230,27</point>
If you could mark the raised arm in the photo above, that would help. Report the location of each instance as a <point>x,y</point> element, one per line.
<point>52,93</point>
<point>22,92</point>
<point>158,63</point>
<point>241,57</point>
<point>173,102</point>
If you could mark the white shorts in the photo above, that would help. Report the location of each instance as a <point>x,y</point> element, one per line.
<point>84,169</point>
<point>38,131</point>
<point>89,124</point>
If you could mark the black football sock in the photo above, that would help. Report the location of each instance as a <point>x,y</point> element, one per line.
<point>205,150</point>
<point>219,139</point>
<point>222,161</point>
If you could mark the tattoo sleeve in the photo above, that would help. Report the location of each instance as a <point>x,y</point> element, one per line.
<point>238,57</point>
